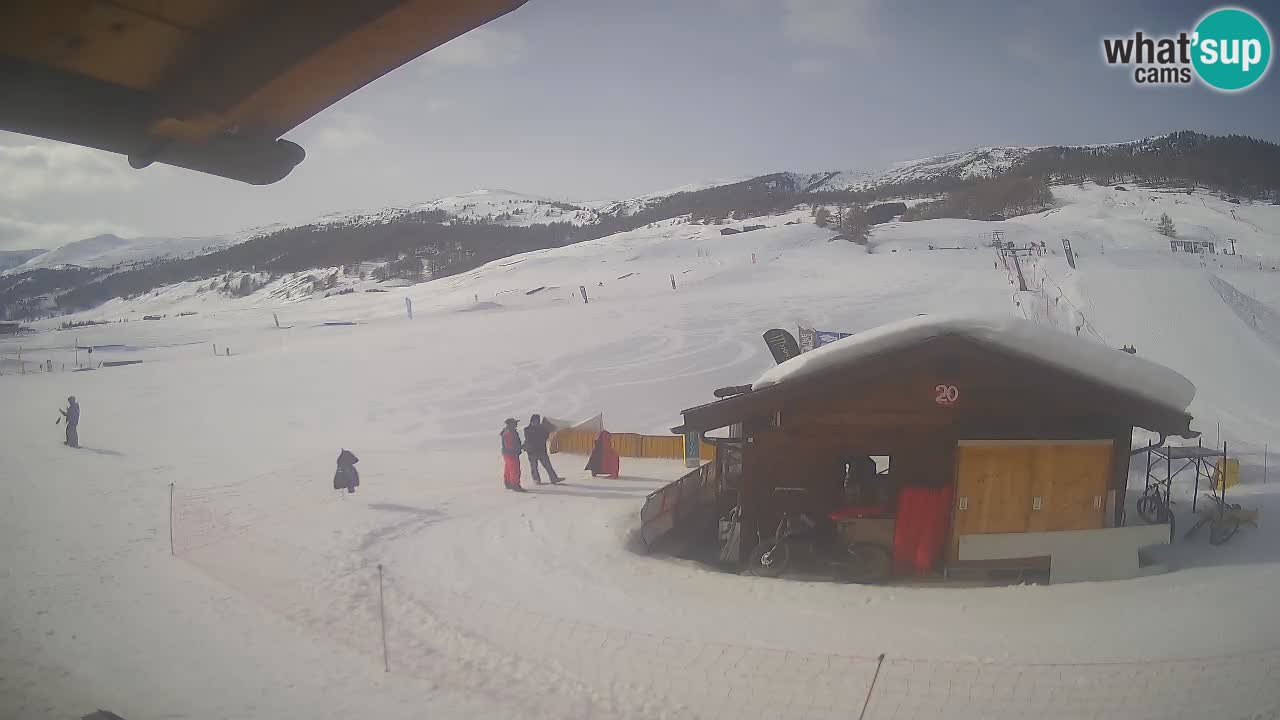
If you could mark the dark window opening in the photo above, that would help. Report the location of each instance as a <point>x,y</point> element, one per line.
<point>866,480</point>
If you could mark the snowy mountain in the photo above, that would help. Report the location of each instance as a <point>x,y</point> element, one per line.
<point>506,207</point>
<point>108,250</point>
<point>502,207</point>
<point>14,258</point>
<point>510,208</point>
<point>975,163</point>
<point>631,206</point>
<point>458,232</point>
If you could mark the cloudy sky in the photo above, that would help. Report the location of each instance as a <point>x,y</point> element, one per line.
<point>598,99</point>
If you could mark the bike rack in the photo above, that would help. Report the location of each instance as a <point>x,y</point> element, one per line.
<point>1197,456</point>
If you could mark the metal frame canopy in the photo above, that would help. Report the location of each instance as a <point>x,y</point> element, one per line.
<point>208,85</point>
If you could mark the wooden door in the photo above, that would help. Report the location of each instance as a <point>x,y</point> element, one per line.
<point>997,484</point>
<point>1071,480</point>
<point>993,488</point>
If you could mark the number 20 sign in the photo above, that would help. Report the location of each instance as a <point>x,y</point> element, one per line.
<point>946,394</point>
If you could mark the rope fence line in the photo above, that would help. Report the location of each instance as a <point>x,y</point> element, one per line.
<point>430,631</point>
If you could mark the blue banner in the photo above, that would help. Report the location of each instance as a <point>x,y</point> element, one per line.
<point>826,337</point>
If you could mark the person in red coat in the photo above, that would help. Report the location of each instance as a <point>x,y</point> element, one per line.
<point>511,447</point>
<point>604,459</point>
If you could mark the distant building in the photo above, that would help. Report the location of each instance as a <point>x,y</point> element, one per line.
<point>729,231</point>
<point>749,228</point>
<point>9,328</point>
<point>1192,246</point>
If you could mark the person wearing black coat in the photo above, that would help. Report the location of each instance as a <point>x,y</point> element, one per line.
<point>72,414</point>
<point>346,477</point>
<point>536,434</point>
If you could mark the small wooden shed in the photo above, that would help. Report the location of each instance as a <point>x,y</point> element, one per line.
<point>1017,427</point>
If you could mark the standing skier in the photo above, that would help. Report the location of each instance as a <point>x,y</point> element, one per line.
<point>511,455</point>
<point>535,446</point>
<point>72,414</point>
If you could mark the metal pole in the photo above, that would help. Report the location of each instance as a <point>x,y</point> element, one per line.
<point>1146,486</point>
<point>171,551</point>
<point>1195,495</point>
<point>1266,450</point>
<point>1222,477</point>
<point>872,686</point>
<point>382,615</point>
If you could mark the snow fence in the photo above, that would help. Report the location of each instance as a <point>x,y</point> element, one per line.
<point>631,445</point>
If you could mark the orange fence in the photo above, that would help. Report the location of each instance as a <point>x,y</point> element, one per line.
<point>628,445</point>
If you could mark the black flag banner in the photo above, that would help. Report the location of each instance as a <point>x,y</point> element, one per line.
<point>782,344</point>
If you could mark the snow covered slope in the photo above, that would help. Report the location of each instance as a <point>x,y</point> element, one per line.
<point>978,162</point>
<point>14,258</point>
<point>108,250</point>
<point>500,605</point>
<point>631,206</point>
<point>510,208</point>
<point>498,206</point>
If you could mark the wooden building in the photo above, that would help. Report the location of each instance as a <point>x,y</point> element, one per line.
<point>1021,428</point>
<point>1192,246</point>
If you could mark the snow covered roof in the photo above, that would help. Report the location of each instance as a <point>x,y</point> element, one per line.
<point>1105,366</point>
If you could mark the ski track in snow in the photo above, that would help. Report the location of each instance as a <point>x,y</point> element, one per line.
<point>500,605</point>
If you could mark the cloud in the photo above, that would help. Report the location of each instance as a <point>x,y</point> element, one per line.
<point>16,234</point>
<point>36,167</point>
<point>840,23</point>
<point>1027,46</point>
<point>482,47</point>
<point>810,66</point>
<point>346,132</point>
<point>439,104</point>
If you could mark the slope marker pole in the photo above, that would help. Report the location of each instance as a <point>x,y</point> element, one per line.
<point>382,615</point>
<point>171,550</point>
<point>871,687</point>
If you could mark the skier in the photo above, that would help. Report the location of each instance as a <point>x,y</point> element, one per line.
<point>511,455</point>
<point>346,477</point>
<point>604,459</point>
<point>72,414</point>
<point>535,446</point>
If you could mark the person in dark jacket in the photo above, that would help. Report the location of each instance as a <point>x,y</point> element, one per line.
<point>511,455</point>
<point>72,414</point>
<point>346,477</point>
<point>536,434</point>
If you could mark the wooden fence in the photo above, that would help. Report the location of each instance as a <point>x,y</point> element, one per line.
<point>628,445</point>
<point>678,504</point>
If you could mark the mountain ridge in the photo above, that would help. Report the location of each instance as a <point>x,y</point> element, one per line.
<point>449,235</point>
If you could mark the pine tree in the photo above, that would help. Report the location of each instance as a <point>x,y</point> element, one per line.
<point>1165,226</point>
<point>821,216</point>
<point>855,224</point>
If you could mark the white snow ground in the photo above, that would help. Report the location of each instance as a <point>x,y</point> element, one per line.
<point>501,605</point>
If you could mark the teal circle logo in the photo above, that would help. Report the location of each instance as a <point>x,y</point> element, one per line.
<point>1231,49</point>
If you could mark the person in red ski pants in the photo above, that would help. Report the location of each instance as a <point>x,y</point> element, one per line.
<point>511,447</point>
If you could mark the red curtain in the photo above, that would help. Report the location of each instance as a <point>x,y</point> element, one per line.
<point>920,530</point>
